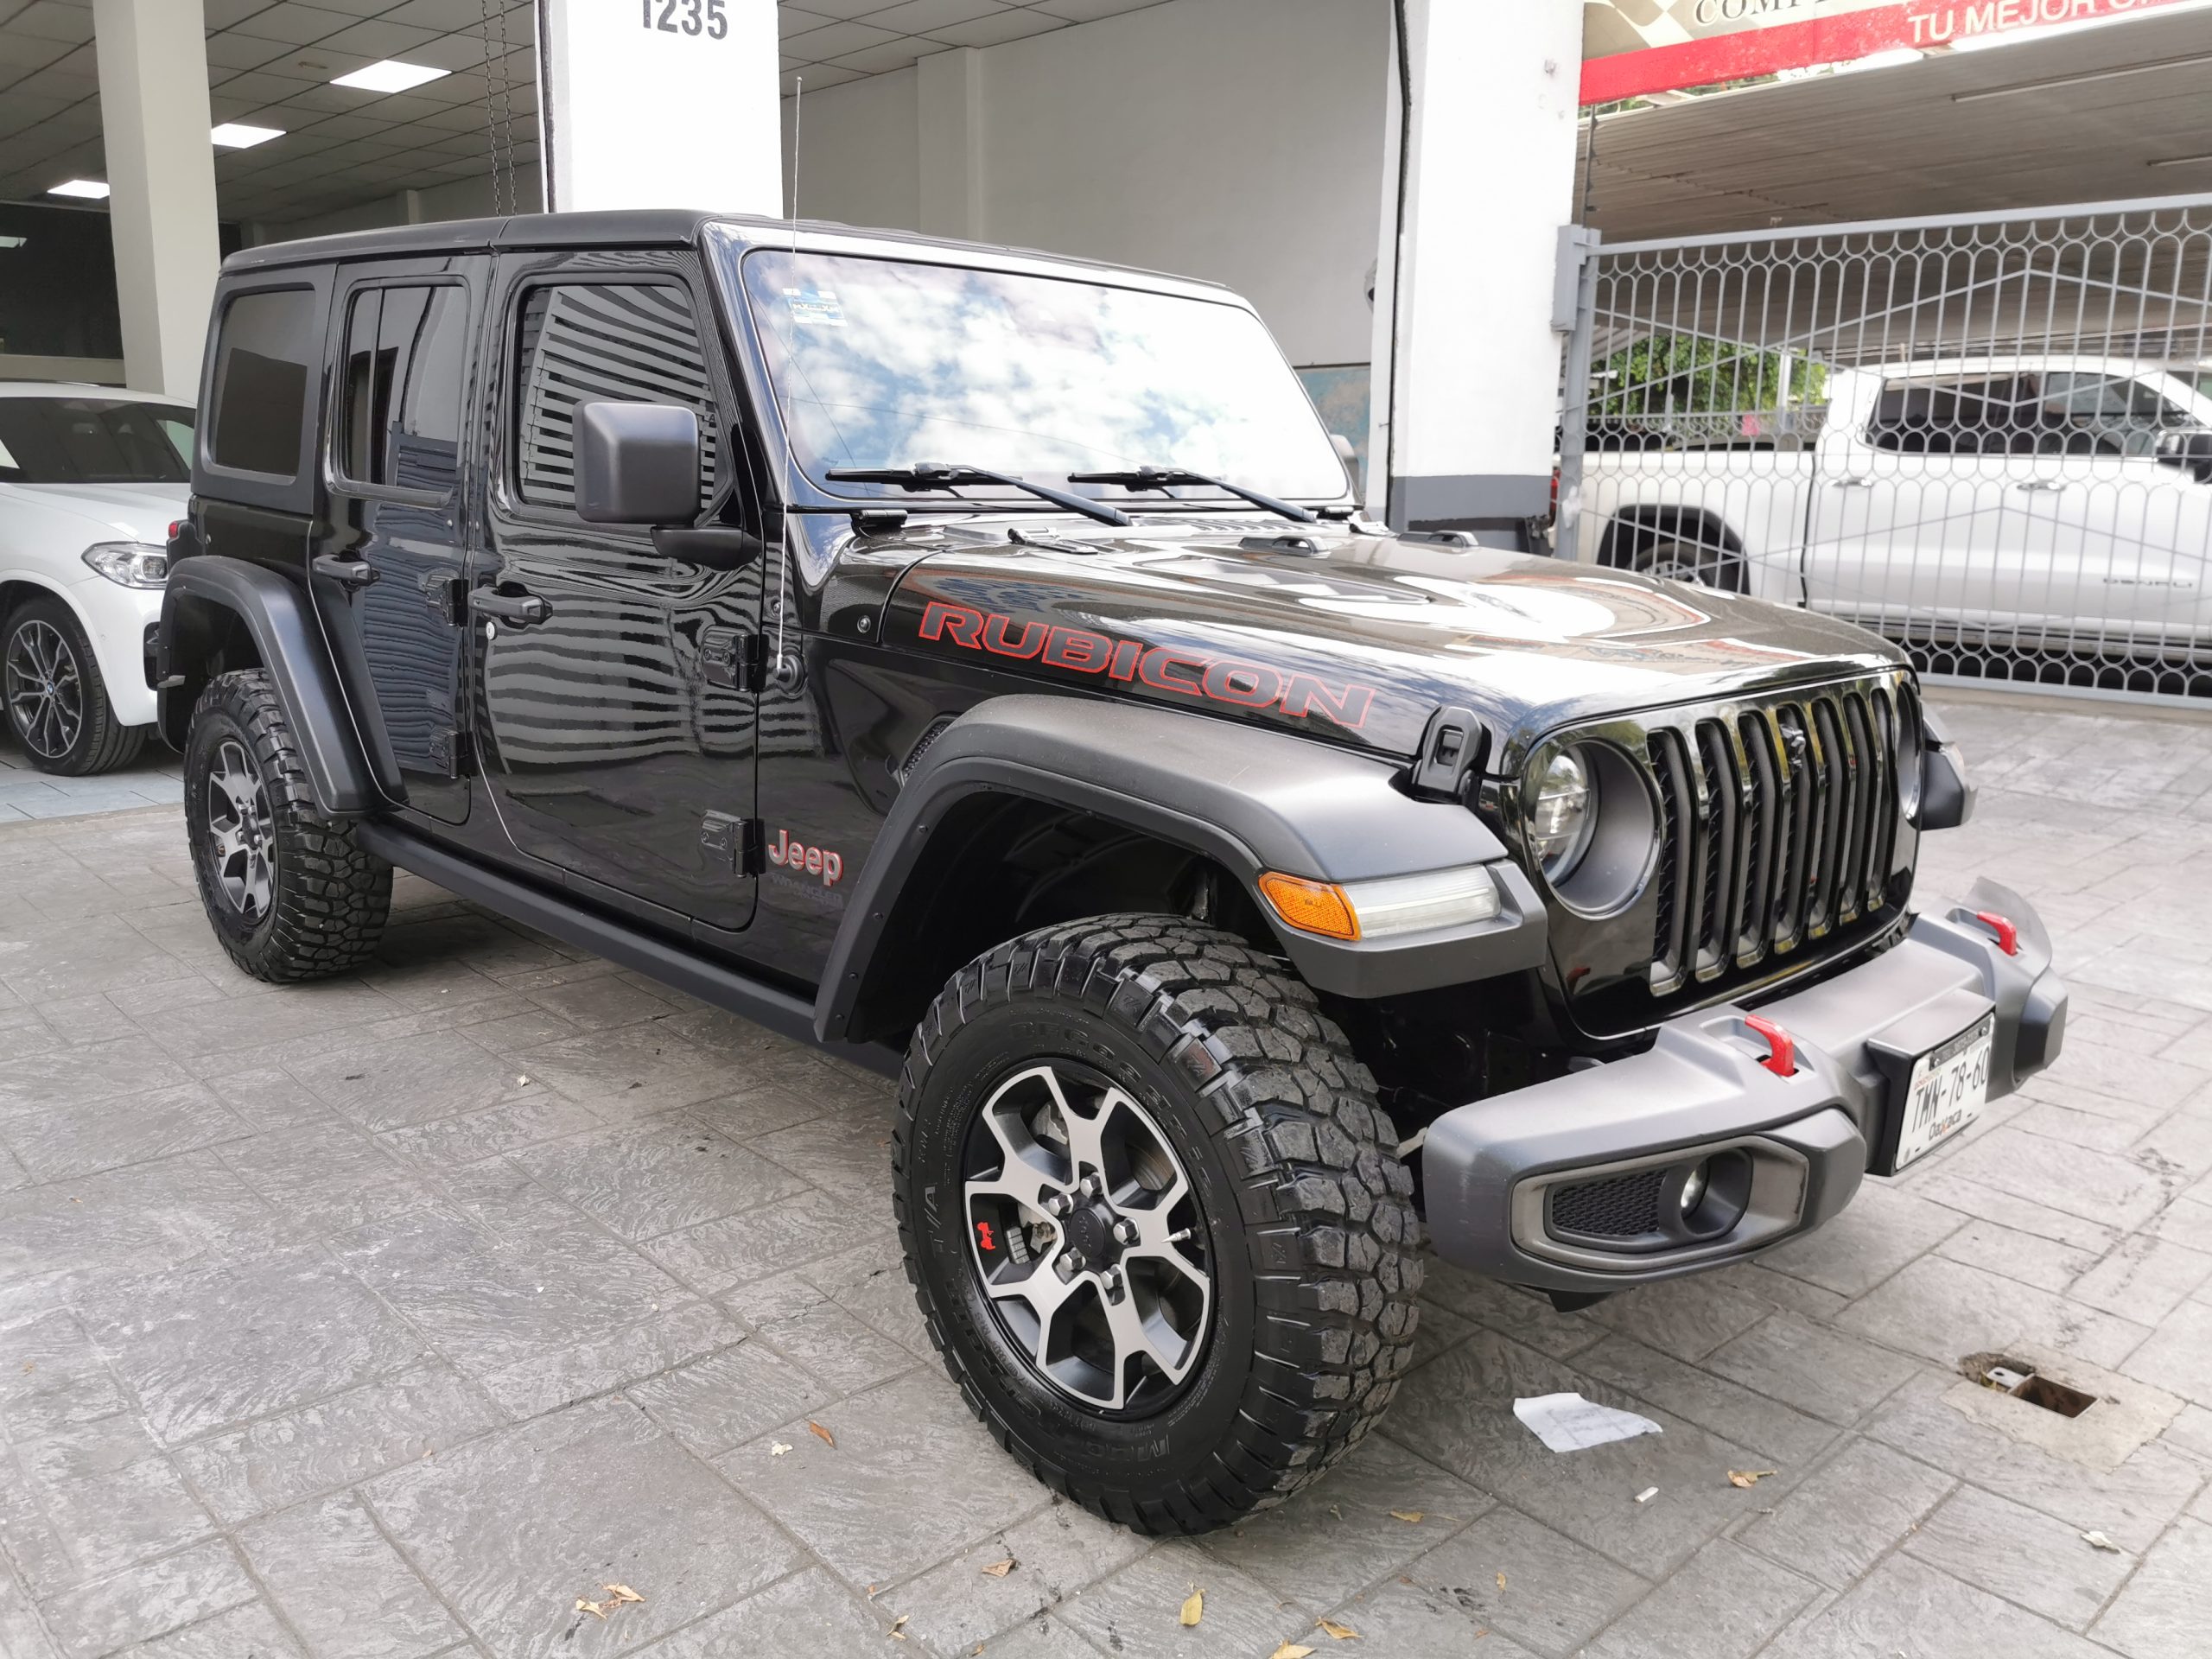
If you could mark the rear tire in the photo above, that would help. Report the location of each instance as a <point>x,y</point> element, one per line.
<point>1692,563</point>
<point>56,700</point>
<point>1260,1129</point>
<point>288,891</point>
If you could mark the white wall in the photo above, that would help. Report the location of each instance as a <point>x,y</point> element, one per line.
<point>460,198</point>
<point>858,160</point>
<point>1235,140</point>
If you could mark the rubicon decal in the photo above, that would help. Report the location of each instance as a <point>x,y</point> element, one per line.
<point>795,855</point>
<point>1237,681</point>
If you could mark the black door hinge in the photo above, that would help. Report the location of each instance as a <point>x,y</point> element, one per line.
<point>455,753</point>
<point>733,658</point>
<point>737,845</point>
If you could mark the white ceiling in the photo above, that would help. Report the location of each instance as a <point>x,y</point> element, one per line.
<point>270,65</point>
<point>2108,114</point>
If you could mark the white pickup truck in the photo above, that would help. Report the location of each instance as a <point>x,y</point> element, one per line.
<point>2046,504</point>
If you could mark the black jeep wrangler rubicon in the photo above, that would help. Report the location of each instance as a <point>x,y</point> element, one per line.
<point>977,659</point>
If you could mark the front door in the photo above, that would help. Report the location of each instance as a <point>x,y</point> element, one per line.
<point>617,718</point>
<point>387,563</point>
<point>1904,527</point>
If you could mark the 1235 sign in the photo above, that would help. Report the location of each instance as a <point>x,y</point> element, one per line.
<point>687,17</point>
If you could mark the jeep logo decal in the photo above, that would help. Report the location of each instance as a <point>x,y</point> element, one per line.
<point>815,861</point>
<point>1232,680</point>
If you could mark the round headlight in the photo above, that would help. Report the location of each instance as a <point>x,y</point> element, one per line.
<point>1909,757</point>
<point>1562,814</point>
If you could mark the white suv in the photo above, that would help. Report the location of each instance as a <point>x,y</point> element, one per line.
<point>90,479</point>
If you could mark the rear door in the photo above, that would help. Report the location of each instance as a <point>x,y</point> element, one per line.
<point>387,568</point>
<point>618,725</point>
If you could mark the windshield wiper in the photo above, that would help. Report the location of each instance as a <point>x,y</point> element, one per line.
<point>1159,478</point>
<point>939,475</point>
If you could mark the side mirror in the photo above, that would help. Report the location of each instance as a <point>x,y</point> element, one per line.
<point>2189,450</point>
<point>637,463</point>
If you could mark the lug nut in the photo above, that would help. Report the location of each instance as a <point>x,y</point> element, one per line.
<point>1058,1204</point>
<point>1125,1231</point>
<point>1092,1186</point>
<point>1075,1261</point>
<point>1116,1286</point>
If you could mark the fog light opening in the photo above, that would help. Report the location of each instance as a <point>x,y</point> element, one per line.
<point>1707,1199</point>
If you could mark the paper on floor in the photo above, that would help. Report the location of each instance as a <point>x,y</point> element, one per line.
<point>1567,1422</point>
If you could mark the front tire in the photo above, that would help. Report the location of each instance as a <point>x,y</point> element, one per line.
<point>1165,1107</point>
<point>56,700</point>
<point>288,891</point>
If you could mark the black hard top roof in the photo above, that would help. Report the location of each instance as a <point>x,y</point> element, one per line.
<point>628,227</point>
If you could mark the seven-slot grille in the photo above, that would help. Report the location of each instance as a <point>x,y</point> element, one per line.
<point>1777,825</point>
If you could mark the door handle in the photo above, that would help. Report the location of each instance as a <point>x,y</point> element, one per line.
<point>350,573</point>
<point>2041,486</point>
<point>521,610</point>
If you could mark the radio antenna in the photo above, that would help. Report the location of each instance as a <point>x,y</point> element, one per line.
<point>784,574</point>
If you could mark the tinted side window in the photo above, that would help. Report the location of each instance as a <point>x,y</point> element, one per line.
<point>92,441</point>
<point>261,367</point>
<point>634,342</point>
<point>399,411</point>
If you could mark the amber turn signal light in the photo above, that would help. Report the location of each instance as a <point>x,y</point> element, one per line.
<point>1310,906</point>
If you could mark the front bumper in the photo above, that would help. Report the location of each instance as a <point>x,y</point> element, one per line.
<point>1576,1184</point>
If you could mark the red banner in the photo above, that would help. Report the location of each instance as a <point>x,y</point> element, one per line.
<point>1763,50</point>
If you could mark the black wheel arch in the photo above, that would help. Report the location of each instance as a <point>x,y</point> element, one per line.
<point>221,614</point>
<point>1639,525</point>
<point>1158,810</point>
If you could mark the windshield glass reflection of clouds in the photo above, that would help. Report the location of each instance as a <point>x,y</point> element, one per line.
<point>882,364</point>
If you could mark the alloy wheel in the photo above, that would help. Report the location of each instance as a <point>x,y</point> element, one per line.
<point>1087,1238</point>
<point>241,832</point>
<point>45,692</point>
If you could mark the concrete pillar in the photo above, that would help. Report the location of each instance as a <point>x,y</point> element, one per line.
<point>1478,175</point>
<point>161,177</point>
<point>660,106</point>
<point>949,121</point>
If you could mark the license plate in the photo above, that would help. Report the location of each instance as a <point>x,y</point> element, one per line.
<point>1949,1087</point>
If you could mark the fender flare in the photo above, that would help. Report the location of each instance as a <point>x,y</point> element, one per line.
<point>1250,799</point>
<point>276,614</point>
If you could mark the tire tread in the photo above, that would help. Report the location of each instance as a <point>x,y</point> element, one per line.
<point>1296,1115</point>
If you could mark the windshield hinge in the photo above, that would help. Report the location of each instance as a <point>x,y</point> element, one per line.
<point>1451,746</point>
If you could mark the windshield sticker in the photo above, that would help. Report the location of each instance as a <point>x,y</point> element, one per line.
<point>817,307</point>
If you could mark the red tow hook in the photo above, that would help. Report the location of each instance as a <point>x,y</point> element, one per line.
<point>1781,1047</point>
<point>2008,933</point>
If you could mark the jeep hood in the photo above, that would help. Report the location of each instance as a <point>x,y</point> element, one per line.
<point>1356,641</point>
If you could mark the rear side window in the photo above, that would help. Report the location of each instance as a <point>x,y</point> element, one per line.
<point>399,409</point>
<point>582,342</point>
<point>262,369</point>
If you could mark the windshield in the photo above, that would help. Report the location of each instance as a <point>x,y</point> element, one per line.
<point>882,364</point>
<point>93,441</point>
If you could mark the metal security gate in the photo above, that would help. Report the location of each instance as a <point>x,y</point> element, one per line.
<point>1988,438</point>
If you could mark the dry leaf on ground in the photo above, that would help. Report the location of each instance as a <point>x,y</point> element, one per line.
<point>1194,1607</point>
<point>2098,1541</point>
<point>821,1433</point>
<point>999,1569</point>
<point>776,1448</point>
<point>596,1609</point>
<point>1342,1632</point>
<point>1501,1580</point>
<point>1291,1650</point>
<point>623,1592</point>
<point>1411,1517</point>
<point>1749,1477</point>
<point>898,1627</point>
